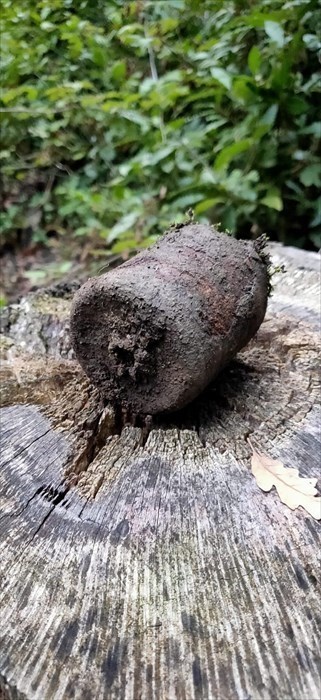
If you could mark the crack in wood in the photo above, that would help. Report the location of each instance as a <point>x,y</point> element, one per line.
<point>24,449</point>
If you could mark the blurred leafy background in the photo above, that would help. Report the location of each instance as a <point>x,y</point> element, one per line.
<point>116,117</point>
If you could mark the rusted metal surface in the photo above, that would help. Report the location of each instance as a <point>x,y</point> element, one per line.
<point>154,332</point>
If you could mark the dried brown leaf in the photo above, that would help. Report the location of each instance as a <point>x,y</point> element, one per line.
<point>293,490</point>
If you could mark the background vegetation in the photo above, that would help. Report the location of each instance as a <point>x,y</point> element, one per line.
<point>119,116</point>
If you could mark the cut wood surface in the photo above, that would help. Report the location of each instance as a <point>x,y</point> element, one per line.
<point>143,562</point>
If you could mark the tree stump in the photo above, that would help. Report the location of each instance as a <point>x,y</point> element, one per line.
<point>143,562</point>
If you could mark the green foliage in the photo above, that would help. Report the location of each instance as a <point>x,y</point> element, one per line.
<point>118,116</point>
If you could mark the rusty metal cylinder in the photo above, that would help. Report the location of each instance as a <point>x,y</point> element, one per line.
<point>152,333</point>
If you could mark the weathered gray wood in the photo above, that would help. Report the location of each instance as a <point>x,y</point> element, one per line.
<point>144,562</point>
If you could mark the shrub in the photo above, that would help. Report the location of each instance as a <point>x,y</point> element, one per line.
<point>117,117</point>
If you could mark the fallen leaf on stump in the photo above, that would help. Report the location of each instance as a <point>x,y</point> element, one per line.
<point>293,490</point>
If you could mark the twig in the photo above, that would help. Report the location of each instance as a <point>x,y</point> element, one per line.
<point>29,110</point>
<point>155,77</point>
<point>152,63</point>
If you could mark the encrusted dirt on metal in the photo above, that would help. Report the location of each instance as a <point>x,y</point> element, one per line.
<point>154,332</point>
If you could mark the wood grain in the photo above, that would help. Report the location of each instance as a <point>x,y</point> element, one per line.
<point>144,562</point>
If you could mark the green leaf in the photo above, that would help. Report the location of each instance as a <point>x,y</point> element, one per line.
<point>316,239</point>
<point>314,129</point>
<point>317,217</point>
<point>222,77</point>
<point>64,266</point>
<point>124,245</point>
<point>229,220</point>
<point>242,89</point>
<point>82,231</point>
<point>159,155</point>
<point>168,24</point>
<point>273,199</point>
<point>296,105</point>
<point>275,32</point>
<point>229,152</point>
<point>207,204</point>
<point>118,71</point>
<point>311,175</point>
<point>136,118</point>
<point>254,60</point>
<point>269,117</point>
<point>188,199</point>
<point>124,225</point>
<point>258,19</point>
<point>35,276</point>
<point>312,41</point>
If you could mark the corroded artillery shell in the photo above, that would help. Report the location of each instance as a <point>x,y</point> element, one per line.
<point>152,333</point>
